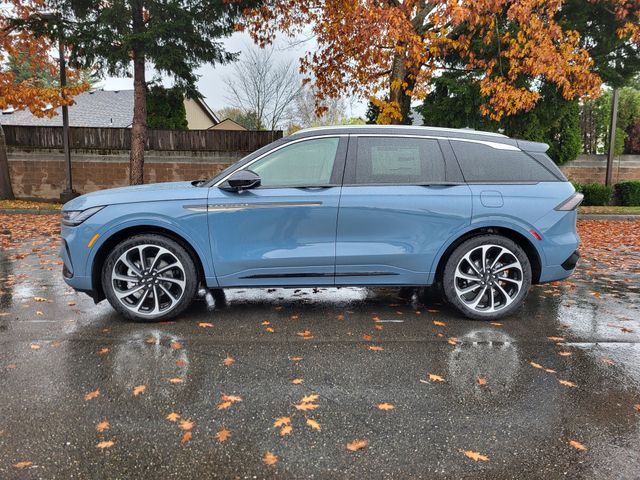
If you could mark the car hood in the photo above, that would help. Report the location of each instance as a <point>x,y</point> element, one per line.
<point>154,192</point>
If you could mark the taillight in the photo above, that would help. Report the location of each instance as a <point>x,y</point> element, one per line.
<point>571,203</point>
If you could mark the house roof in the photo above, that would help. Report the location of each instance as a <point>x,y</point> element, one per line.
<point>99,108</point>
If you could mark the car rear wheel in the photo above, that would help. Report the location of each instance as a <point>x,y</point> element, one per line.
<point>487,277</point>
<point>149,278</point>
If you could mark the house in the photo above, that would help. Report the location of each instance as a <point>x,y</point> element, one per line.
<point>227,124</point>
<point>109,108</point>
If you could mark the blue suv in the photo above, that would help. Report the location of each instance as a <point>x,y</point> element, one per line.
<point>481,215</point>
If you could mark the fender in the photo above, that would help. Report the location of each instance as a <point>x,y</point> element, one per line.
<point>514,224</point>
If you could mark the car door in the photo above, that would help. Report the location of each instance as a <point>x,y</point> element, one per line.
<point>282,232</point>
<point>400,203</point>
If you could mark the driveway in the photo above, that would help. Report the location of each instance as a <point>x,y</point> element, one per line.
<point>321,383</point>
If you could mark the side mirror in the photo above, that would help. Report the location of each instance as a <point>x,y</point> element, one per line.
<point>242,180</point>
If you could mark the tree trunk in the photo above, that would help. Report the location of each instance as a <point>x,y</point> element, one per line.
<point>401,82</point>
<point>6,192</point>
<point>139,125</point>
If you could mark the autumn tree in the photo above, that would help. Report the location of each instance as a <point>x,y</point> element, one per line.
<point>174,37</point>
<point>389,50</point>
<point>23,60</point>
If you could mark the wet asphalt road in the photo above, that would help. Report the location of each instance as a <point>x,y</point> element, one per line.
<point>56,350</point>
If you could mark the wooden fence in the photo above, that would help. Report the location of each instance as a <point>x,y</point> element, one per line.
<point>120,138</point>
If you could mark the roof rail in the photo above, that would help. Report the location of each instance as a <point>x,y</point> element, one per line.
<point>402,127</point>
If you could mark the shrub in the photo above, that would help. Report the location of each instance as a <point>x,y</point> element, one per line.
<point>629,193</point>
<point>595,194</point>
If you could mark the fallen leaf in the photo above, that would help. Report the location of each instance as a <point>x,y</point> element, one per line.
<point>439,323</point>
<point>294,317</point>
<point>39,299</point>
<point>482,381</point>
<point>536,365</point>
<point>228,361</point>
<point>173,417</point>
<point>230,398</point>
<point>138,390</point>
<point>286,430</point>
<point>637,407</point>
<point>223,435</point>
<point>567,383</point>
<point>269,458</point>
<point>565,354</point>
<point>21,465</point>
<point>435,378</point>
<point>186,424</point>
<point>105,444</point>
<point>295,359</point>
<point>304,406</point>
<point>11,366</point>
<point>186,437</point>
<point>556,339</point>
<point>385,406</point>
<point>103,351</point>
<point>35,346</point>
<point>175,380</point>
<point>150,339</point>
<point>71,304</point>
<point>375,348</point>
<point>549,370</point>
<point>340,317</point>
<point>39,313</point>
<point>269,329</point>
<point>313,424</point>
<point>224,405</point>
<point>306,334</point>
<point>496,324</point>
<point>476,456</point>
<point>176,345</point>
<point>181,363</point>
<point>102,426</point>
<point>378,327</point>
<point>608,361</point>
<point>297,381</point>
<point>205,325</point>
<point>577,445</point>
<point>281,421</point>
<point>310,398</point>
<point>357,445</point>
<point>452,341</point>
<point>92,395</point>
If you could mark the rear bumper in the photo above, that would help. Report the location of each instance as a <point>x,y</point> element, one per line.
<point>570,263</point>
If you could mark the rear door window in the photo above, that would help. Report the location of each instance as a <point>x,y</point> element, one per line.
<point>404,161</point>
<point>484,164</point>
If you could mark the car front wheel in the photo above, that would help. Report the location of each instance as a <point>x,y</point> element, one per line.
<point>149,278</point>
<point>487,277</point>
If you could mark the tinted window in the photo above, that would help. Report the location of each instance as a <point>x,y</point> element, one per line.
<point>398,160</point>
<point>304,163</point>
<point>482,163</point>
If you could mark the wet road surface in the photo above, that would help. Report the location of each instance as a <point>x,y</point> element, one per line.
<point>566,368</point>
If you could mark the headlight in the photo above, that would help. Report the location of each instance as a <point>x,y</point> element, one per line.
<point>71,218</point>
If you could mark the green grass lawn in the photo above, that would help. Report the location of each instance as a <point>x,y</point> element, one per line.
<point>610,210</point>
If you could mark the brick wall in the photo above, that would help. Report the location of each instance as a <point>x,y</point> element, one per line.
<point>592,168</point>
<point>40,174</point>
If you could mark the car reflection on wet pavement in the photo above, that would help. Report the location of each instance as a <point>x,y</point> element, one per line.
<point>518,391</point>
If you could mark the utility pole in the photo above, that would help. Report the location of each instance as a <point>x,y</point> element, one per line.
<point>612,136</point>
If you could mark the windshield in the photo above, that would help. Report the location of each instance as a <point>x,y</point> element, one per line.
<point>219,176</point>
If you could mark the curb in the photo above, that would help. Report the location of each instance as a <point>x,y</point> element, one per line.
<point>604,216</point>
<point>18,211</point>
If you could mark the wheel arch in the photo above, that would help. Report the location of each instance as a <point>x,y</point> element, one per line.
<point>127,232</point>
<point>522,241</point>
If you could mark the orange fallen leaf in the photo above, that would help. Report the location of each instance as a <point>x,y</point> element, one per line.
<point>304,406</point>
<point>173,417</point>
<point>230,398</point>
<point>476,456</point>
<point>103,351</point>
<point>21,465</point>
<point>439,323</point>
<point>297,381</point>
<point>385,406</point>
<point>71,304</point>
<point>577,445</point>
<point>39,299</point>
<point>313,424</point>
<point>35,346</point>
<point>224,405</point>
<point>295,359</point>
<point>269,329</point>
<point>367,337</point>
<point>186,424</point>
<point>286,430</point>
<point>378,327</point>
<point>139,390</point>
<point>102,426</point>
<point>269,458</point>
<point>375,348</point>
<point>150,339</point>
<point>549,370</point>
<point>482,381</point>
<point>186,437</point>
<point>175,380</point>
<point>565,354</point>
<point>281,421</point>
<point>452,341</point>
<point>11,366</point>
<point>536,365</point>
<point>223,435</point>
<point>340,317</point>
<point>176,345</point>
<point>39,313</point>
<point>606,360</point>
<point>496,324</point>
<point>306,334</point>
<point>228,361</point>
<point>181,363</point>
<point>556,339</point>
<point>310,398</point>
<point>357,445</point>
<point>105,444</point>
<point>637,407</point>
<point>435,378</point>
<point>567,383</point>
<point>92,395</point>
<point>205,325</point>
<point>294,317</point>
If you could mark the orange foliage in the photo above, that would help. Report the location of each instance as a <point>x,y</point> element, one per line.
<point>391,50</point>
<point>41,100</point>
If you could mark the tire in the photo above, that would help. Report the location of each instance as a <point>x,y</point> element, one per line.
<point>503,289</point>
<point>168,281</point>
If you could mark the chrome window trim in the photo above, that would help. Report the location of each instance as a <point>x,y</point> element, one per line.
<point>495,145</point>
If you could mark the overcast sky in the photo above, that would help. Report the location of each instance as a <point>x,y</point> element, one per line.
<point>211,83</point>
